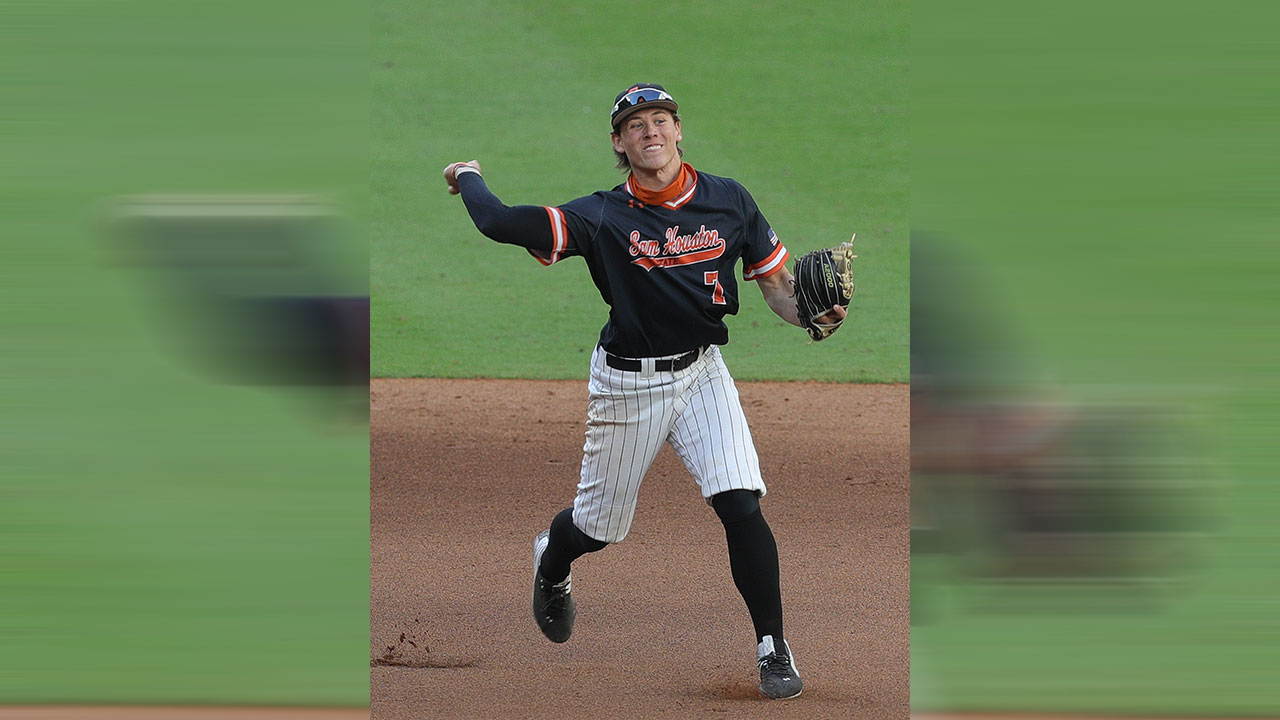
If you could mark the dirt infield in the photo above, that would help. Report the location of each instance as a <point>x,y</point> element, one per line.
<point>176,712</point>
<point>464,473</point>
<point>85,712</point>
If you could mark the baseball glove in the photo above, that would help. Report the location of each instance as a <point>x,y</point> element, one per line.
<point>823,279</point>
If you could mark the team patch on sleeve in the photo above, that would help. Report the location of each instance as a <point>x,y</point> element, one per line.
<point>771,264</point>
<point>559,241</point>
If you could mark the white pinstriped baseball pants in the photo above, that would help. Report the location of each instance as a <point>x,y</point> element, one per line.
<point>630,416</point>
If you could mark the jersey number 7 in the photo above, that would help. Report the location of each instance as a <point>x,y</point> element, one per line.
<point>713,278</point>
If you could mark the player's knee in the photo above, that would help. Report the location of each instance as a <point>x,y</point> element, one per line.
<point>735,505</point>
<point>581,542</point>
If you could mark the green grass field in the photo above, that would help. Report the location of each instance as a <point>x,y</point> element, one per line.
<point>816,130</point>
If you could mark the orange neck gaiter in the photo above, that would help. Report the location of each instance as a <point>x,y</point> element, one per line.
<point>684,178</point>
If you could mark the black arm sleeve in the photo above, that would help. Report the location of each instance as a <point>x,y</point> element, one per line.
<point>528,226</point>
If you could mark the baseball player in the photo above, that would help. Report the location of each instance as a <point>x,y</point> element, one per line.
<point>662,249</point>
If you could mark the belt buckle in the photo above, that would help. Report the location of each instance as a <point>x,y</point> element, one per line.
<point>687,359</point>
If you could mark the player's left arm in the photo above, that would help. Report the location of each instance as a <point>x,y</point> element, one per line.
<point>779,292</point>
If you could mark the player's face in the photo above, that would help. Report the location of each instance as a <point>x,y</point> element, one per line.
<point>649,139</point>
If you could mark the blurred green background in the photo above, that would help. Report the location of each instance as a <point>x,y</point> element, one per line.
<point>165,538</point>
<point>805,105</point>
<point>1109,167</point>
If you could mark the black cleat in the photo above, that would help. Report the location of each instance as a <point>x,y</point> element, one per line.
<point>552,604</point>
<point>779,678</point>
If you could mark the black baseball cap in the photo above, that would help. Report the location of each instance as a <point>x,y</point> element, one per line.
<point>639,97</point>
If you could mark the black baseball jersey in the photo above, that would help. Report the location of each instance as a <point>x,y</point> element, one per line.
<point>667,270</point>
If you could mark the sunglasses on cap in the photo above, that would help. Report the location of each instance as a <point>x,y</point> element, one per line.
<point>634,99</point>
<point>642,95</point>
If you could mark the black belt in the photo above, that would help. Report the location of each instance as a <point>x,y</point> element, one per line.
<point>669,365</point>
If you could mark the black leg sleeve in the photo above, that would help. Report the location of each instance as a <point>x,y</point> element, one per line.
<point>567,543</point>
<point>753,558</point>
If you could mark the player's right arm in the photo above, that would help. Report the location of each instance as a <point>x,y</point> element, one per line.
<point>524,225</point>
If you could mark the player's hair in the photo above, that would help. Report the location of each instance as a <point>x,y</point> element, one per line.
<point>620,159</point>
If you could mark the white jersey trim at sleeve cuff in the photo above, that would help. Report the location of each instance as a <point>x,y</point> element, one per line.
<point>559,235</point>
